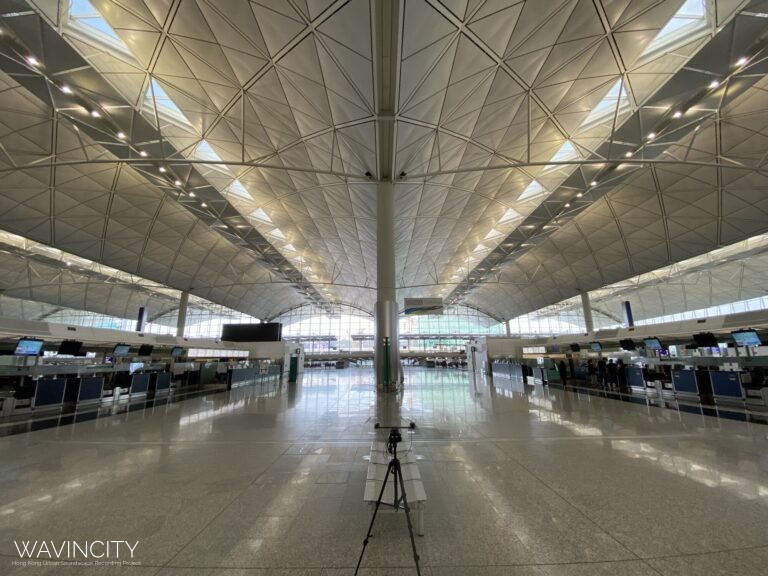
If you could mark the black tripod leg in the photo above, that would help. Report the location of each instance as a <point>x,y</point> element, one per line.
<point>375,511</point>
<point>399,477</point>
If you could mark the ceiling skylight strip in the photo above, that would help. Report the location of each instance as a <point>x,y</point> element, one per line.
<point>86,21</point>
<point>689,20</point>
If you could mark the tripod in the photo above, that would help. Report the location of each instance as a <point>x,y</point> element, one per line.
<point>394,469</point>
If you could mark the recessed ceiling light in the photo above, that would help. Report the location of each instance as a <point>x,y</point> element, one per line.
<point>142,153</point>
<point>204,205</point>
<point>32,61</point>
<point>177,182</point>
<point>652,135</point>
<point>677,114</point>
<point>66,89</point>
<point>741,61</point>
<point>627,154</point>
<point>714,84</point>
<point>579,195</point>
<point>593,183</point>
<point>191,194</point>
<point>95,113</point>
<point>162,168</point>
<point>567,204</point>
<point>121,135</point>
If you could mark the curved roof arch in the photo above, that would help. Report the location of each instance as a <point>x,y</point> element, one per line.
<point>538,146</point>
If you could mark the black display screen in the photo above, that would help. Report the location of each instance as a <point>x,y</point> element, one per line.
<point>145,350</point>
<point>264,332</point>
<point>70,347</point>
<point>627,344</point>
<point>705,340</point>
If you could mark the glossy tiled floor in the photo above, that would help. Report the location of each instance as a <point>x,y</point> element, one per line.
<point>544,483</point>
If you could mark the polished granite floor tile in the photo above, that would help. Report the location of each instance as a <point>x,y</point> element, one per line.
<point>519,482</point>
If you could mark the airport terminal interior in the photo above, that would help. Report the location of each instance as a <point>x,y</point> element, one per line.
<point>384,287</point>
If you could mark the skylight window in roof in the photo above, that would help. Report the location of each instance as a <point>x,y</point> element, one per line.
<point>606,108</point>
<point>565,153</point>
<point>238,189</point>
<point>531,191</point>
<point>156,97</point>
<point>84,18</point>
<point>492,234</point>
<point>689,21</point>
<point>509,215</point>
<point>203,151</point>
<point>260,215</point>
<point>277,233</point>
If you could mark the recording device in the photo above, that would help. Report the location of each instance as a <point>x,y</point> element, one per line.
<point>394,439</point>
<point>400,500</point>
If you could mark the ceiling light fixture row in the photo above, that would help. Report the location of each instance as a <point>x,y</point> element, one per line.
<point>676,114</point>
<point>93,110</point>
<point>97,112</point>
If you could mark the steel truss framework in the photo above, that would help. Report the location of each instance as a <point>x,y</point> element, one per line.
<point>234,154</point>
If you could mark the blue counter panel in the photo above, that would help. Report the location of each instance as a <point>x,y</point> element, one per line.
<point>50,391</point>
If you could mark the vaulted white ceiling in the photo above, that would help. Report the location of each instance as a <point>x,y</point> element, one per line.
<point>267,113</point>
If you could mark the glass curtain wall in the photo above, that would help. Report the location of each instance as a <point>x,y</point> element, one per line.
<point>349,329</point>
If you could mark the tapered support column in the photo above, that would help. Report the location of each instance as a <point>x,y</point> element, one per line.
<point>386,351</point>
<point>181,321</point>
<point>586,306</point>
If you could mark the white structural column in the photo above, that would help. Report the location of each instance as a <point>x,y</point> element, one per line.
<point>386,44</point>
<point>586,307</point>
<point>386,354</point>
<point>181,320</point>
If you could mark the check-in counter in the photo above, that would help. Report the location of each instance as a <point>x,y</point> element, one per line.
<point>49,393</point>
<point>82,391</point>
<point>636,379</point>
<point>685,384</point>
<point>726,387</point>
<point>139,384</point>
<point>159,384</point>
